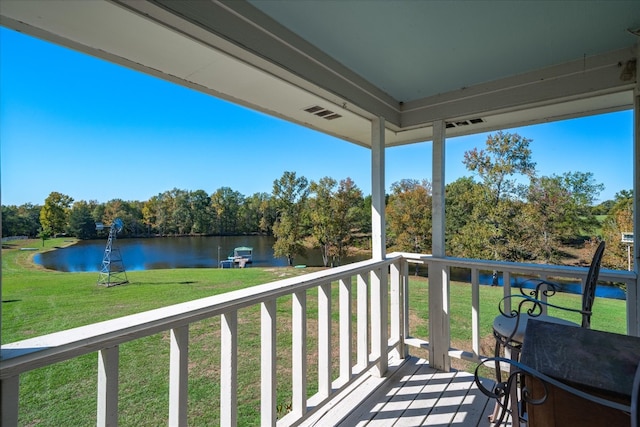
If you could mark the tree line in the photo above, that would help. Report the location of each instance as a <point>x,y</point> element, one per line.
<point>503,211</point>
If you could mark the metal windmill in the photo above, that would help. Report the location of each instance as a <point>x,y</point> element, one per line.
<point>112,271</point>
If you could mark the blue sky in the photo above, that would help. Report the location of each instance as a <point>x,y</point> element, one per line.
<point>96,131</point>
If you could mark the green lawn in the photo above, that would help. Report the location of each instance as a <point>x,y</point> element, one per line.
<point>37,301</point>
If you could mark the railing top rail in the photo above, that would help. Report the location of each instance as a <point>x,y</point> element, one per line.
<point>526,268</point>
<point>25,355</point>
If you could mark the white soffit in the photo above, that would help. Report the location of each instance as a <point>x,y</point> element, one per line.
<point>172,48</point>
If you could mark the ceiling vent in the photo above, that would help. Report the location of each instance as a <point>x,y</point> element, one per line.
<point>322,112</point>
<point>461,123</point>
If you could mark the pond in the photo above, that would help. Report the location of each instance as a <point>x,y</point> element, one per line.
<point>206,252</point>
<point>172,252</point>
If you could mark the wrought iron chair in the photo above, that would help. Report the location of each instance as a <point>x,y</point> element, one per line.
<point>503,391</point>
<point>509,326</point>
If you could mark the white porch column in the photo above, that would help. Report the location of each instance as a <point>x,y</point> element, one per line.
<point>633,304</point>
<point>439,329</point>
<point>378,249</point>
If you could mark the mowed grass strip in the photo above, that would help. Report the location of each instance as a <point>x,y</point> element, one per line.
<point>38,301</point>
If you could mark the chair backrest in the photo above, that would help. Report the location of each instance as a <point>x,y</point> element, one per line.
<point>590,285</point>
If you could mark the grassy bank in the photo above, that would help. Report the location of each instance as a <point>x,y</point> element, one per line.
<point>37,301</point>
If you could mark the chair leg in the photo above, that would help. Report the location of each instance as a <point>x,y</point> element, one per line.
<point>512,353</point>
<point>496,407</point>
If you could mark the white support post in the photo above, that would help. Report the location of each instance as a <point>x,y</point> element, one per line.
<point>378,228</point>
<point>299,354</point>
<point>324,339</point>
<point>404,271</point>
<point>346,365</point>
<point>475,311</point>
<point>229,369</point>
<point>9,395</point>
<point>268,413</point>
<point>633,304</point>
<point>178,376</point>
<point>438,184</point>
<point>397,312</point>
<point>379,320</point>
<point>439,328</point>
<point>363,321</point>
<point>107,415</point>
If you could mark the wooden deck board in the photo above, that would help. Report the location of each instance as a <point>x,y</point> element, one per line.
<point>414,394</point>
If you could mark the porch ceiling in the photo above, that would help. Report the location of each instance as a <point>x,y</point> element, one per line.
<point>481,65</point>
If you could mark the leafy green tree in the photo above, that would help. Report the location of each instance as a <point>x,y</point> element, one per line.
<point>160,210</point>
<point>44,234</point>
<point>54,213</point>
<point>130,213</point>
<point>506,156</point>
<point>268,215</point>
<point>321,215</point>
<point>603,208</point>
<point>290,194</point>
<point>409,215</point>
<point>251,213</point>
<point>463,197</point>
<point>81,222</point>
<point>10,221</point>
<point>181,214</point>
<point>150,214</point>
<point>347,206</point>
<point>559,211</point>
<point>200,212</point>
<point>494,229</point>
<point>226,204</point>
<point>619,220</point>
<point>23,220</point>
<point>362,221</point>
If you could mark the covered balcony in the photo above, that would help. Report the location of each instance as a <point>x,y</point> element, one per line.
<point>380,74</point>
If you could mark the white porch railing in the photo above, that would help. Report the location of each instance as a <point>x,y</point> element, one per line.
<point>372,281</point>
<point>508,269</point>
<point>381,311</point>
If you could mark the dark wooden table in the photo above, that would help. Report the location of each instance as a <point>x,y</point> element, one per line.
<point>600,363</point>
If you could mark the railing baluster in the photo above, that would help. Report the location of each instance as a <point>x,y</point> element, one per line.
<point>324,339</point>
<point>229,369</point>
<point>346,334</point>
<point>107,414</point>
<point>397,306</point>
<point>178,376</point>
<point>299,354</point>
<point>506,284</point>
<point>363,321</point>
<point>268,414</point>
<point>379,319</point>
<point>543,295</point>
<point>9,391</point>
<point>475,311</point>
